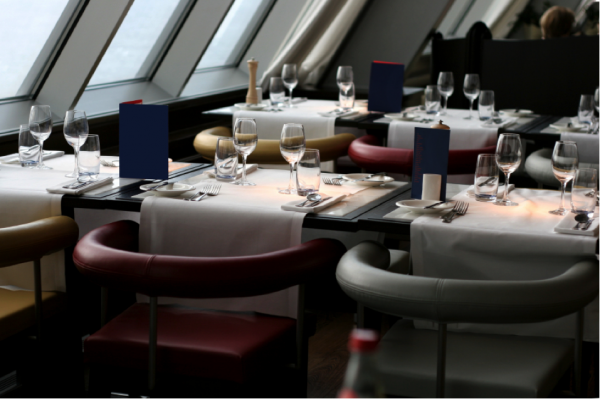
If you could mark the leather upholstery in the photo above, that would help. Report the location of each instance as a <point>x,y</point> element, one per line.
<point>105,255</point>
<point>361,275</point>
<point>367,153</point>
<point>477,365</point>
<point>267,151</point>
<point>539,166</point>
<point>203,343</point>
<point>31,241</point>
<point>17,309</point>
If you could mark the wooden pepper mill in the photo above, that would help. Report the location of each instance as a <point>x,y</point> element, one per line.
<point>252,97</point>
<point>440,125</point>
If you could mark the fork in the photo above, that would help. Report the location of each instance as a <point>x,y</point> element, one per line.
<point>332,182</point>
<point>209,189</point>
<point>460,208</point>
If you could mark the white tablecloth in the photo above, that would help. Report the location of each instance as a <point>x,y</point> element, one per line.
<point>464,133</point>
<point>587,145</point>
<point>504,243</point>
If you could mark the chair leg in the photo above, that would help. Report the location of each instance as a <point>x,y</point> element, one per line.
<point>301,345</point>
<point>441,361</point>
<point>152,343</point>
<point>37,275</point>
<point>578,349</point>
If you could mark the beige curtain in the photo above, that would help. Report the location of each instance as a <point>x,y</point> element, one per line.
<point>315,37</point>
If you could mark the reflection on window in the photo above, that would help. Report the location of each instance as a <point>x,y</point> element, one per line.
<point>234,34</point>
<point>29,30</point>
<point>138,42</point>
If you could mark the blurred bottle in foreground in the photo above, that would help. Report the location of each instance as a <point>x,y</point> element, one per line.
<point>362,375</point>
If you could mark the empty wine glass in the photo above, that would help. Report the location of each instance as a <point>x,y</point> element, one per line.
<point>344,77</point>
<point>508,158</point>
<point>244,140</point>
<point>585,113</point>
<point>290,79</point>
<point>432,99</point>
<point>76,132</point>
<point>597,100</point>
<point>564,167</point>
<point>471,90</point>
<point>446,85</point>
<point>40,126</point>
<point>292,146</point>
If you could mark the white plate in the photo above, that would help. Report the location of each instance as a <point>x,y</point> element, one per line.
<point>401,116</point>
<point>170,190</point>
<point>513,112</point>
<point>376,181</point>
<point>418,206</point>
<point>251,107</point>
<point>564,127</point>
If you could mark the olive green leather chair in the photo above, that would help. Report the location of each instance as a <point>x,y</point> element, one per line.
<point>267,151</point>
<point>20,310</point>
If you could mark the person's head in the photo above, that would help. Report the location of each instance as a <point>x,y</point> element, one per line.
<point>557,21</point>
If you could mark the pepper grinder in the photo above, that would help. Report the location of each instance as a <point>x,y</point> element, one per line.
<point>252,97</point>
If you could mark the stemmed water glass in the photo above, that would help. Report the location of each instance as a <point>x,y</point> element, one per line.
<point>508,158</point>
<point>290,79</point>
<point>446,85</point>
<point>344,79</point>
<point>471,90</point>
<point>564,166</point>
<point>40,126</point>
<point>244,141</point>
<point>76,132</point>
<point>292,146</point>
<point>585,113</point>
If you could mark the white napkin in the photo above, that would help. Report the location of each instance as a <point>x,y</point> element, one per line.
<point>565,226</point>
<point>505,122</point>
<point>249,169</point>
<point>471,194</point>
<point>88,187</point>
<point>291,206</point>
<point>14,158</point>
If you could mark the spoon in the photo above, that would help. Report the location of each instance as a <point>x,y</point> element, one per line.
<point>312,197</point>
<point>581,218</point>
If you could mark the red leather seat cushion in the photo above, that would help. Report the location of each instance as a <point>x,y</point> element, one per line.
<point>228,346</point>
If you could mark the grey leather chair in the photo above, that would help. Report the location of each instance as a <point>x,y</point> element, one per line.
<point>478,365</point>
<point>539,167</point>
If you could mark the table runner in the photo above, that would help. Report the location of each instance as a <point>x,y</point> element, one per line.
<point>504,243</point>
<point>465,134</point>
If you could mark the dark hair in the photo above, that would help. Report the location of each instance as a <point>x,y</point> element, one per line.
<point>557,21</point>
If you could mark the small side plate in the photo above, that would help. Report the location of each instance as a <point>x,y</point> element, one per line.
<point>376,181</point>
<point>418,206</point>
<point>401,116</point>
<point>170,190</point>
<point>564,127</point>
<point>516,112</point>
<point>251,107</point>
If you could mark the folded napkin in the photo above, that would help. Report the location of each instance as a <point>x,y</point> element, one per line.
<point>249,169</point>
<point>470,193</point>
<point>88,187</point>
<point>505,122</point>
<point>14,158</point>
<point>291,206</point>
<point>568,222</point>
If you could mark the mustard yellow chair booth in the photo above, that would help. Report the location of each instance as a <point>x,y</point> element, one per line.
<point>267,151</point>
<point>20,310</point>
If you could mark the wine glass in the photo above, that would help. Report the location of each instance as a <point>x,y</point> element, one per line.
<point>446,85</point>
<point>244,141</point>
<point>344,78</point>
<point>40,126</point>
<point>597,100</point>
<point>564,166</point>
<point>508,158</point>
<point>471,90</point>
<point>292,146</point>
<point>76,132</point>
<point>585,113</point>
<point>290,79</point>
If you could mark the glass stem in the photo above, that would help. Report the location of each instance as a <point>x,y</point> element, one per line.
<point>76,170</point>
<point>291,176</point>
<point>291,90</point>
<point>563,187</point>
<point>244,168</point>
<point>41,161</point>
<point>506,180</point>
<point>471,109</point>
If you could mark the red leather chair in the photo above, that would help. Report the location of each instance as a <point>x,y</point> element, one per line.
<point>367,153</point>
<point>209,344</point>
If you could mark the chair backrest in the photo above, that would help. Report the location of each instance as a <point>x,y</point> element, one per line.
<point>546,76</point>
<point>268,152</point>
<point>362,277</point>
<point>108,256</point>
<point>366,153</point>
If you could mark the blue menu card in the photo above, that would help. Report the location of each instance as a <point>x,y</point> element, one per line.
<point>144,141</point>
<point>430,156</point>
<point>385,86</point>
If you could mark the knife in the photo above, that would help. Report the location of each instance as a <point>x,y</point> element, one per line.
<point>317,202</point>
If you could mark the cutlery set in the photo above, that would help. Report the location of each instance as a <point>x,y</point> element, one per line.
<point>209,189</point>
<point>460,208</point>
<point>77,184</point>
<point>313,203</point>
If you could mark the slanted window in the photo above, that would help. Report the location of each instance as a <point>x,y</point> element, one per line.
<point>235,33</point>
